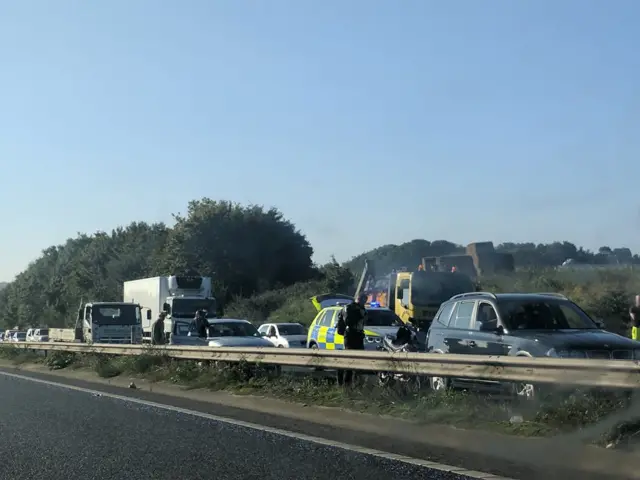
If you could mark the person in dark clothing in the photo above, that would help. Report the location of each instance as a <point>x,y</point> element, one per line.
<point>351,321</point>
<point>158,336</point>
<point>201,324</point>
<point>634,313</point>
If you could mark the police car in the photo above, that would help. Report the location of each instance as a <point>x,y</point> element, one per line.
<point>323,330</point>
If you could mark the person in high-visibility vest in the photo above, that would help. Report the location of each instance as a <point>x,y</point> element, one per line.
<point>634,313</point>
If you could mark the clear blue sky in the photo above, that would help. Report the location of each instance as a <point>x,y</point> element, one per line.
<point>462,120</point>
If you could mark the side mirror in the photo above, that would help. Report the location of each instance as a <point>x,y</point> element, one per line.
<point>167,308</point>
<point>600,323</point>
<point>148,314</point>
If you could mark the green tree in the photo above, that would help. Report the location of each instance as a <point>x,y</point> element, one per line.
<point>89,267</point>
<point>246,250</point>
<point>338,279</point>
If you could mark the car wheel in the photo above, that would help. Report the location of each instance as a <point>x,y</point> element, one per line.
<point>280,346</point>
<point>384,379</point>
<point>439,384</point>
<point>525,391</point>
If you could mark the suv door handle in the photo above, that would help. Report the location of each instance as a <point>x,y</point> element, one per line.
<point>472,343</point>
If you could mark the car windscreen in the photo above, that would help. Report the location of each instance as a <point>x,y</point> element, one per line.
<point>233,329</point>
<point>552,314</point>
<point>115,314</point>
<point>382,318</point>
<point>291,330</point>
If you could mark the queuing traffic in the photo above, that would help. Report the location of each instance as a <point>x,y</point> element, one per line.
<point>452,319</point>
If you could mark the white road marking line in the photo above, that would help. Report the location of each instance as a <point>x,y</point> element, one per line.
<point>285,433</point>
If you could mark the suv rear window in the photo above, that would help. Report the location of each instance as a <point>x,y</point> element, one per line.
<point>445,314</point>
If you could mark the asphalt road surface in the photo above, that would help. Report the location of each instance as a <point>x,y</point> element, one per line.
<point>50,433</point>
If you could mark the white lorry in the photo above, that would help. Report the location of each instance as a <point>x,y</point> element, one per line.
<point>179,296</point>
<point>103,322</point>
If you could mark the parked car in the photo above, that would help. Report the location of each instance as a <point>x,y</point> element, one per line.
<point>323,330</point>
<point>285,335</point>
<point>223,332</point>
<point>19,337</point>
<point>230,332</point>
<point>8,335</point>
<point>520,324</point>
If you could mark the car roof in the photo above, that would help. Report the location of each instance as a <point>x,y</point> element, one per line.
<point>284,323</point>
<point>213,321</point>
<point>97,304</point>
<point>537,296</point>
<point>367,308</point>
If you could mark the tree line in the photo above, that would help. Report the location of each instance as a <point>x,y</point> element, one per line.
<point>526,255</point>
<point>247,250</point>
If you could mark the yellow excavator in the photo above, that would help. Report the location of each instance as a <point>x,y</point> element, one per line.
<point>414,296</point>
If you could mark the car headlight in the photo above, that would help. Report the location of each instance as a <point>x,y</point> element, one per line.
<point>372,339</point>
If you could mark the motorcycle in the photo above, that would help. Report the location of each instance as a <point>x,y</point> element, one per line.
<point>407,339</point>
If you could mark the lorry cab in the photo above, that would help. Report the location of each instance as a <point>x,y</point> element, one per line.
<point>38,334</point>
<point>417,296</point>
<point>179,296</point>
<point>109,322</point>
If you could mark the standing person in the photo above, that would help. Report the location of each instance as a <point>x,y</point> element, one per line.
<point>158,330</point>
<point>202,324</point>
<point>351,321</point>
<point>634,313</point>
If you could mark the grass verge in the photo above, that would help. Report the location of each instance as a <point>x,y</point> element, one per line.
<point>553,415</point>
